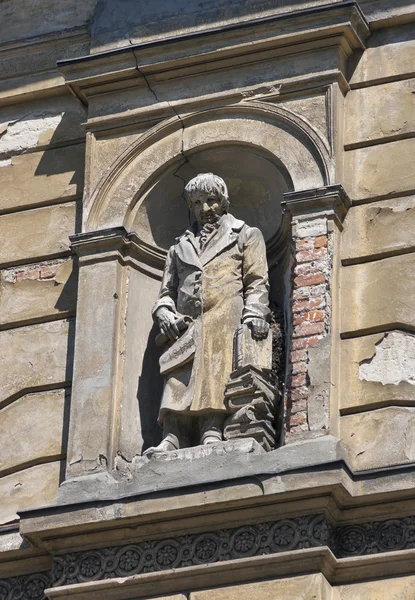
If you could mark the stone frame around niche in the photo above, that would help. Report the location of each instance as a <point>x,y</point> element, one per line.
<point>119,272</point>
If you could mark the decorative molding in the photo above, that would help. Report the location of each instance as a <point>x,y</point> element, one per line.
<point>290,534</point>
<point>375,537</point>
<point>188,550</point>
<point>331,201</point>
<point>198,549</point>
<point>25,587</point>
<point>117,243</point>
<point>343,25</point>
<point>275,116</point>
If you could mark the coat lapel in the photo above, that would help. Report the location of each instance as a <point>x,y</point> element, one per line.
<point>186,250</point>
<point>225,237</point>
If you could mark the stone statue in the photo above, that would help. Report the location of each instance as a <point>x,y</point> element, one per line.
<point>215,279</point>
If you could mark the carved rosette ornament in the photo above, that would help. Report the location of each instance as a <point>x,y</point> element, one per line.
<point>194,549</point>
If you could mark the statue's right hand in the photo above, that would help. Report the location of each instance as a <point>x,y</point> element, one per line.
<point>166,320</point>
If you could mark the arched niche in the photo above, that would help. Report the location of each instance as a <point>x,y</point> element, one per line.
<point>262,151</point>
<point>288,141</point>
<point>256,183</point>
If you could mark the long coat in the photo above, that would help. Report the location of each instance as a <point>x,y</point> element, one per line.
<point>220,287</point>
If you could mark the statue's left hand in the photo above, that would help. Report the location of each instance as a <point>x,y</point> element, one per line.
<point>259,328</point>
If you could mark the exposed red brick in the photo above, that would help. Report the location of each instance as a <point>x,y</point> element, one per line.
<point>299,356</point>
<point>320,241</point>
<point>318,291</point>
<point>313,340</point>
<point>27,274</point>
<point>298,429</point>
<point>48,272</point>
<point>309,304</point>
<point>306,256</point>
<point>300,344</point>
<point>299,367</point>
<point>306,244</point>
<point>298,380</point>
<point>308,328</point>
<point>301,294</point>
<point>298,419</point>
<point>299,394</point>
<point>313,279</point>
<point>299,406</point>
<point>315,315</point>
<point>310,267</point>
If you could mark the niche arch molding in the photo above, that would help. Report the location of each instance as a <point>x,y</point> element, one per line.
<point>273,131</point>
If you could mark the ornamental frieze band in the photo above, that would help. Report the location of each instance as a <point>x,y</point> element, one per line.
<point>229,544</point>
<point>309,531</point>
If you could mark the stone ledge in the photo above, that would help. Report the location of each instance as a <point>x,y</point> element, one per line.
<point>224,461</point>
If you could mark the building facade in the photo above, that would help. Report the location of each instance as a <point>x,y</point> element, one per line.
<point>107,109</point>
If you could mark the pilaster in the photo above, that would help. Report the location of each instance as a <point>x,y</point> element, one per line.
<point>317,221</point>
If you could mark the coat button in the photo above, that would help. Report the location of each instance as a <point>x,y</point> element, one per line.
<point>198,304</point>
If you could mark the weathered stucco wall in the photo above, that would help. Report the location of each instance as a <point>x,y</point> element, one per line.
<point>42,155</point>
<point>352,355</point>
<point>376,281</point>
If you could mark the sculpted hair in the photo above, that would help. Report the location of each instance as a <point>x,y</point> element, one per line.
<point>210,184</point>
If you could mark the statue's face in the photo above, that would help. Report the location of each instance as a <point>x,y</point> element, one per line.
<point>206,207</point>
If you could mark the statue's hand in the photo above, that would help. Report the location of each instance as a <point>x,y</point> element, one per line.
<point>259,328</point>
<point>166,320</point>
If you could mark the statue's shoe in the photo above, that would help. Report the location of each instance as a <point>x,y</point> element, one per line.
<point>164,446</point>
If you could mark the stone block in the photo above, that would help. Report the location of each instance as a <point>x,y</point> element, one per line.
<point>289,588</point>
<point>377,370</point>
<point>35,356</point>
<point>27,295</point>
<point>30,488</point>
<point>379,228</point>
<point>380,171</point>
<point>378,294</point>
<point>32,430</point>
<point>379,438</point>
<point>381,111</point>
<point>41,177</point>
<point>390,54</point>
<point>36,233</point>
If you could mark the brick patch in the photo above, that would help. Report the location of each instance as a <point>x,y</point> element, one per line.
<point>40,272</point>
<point>310,301</point>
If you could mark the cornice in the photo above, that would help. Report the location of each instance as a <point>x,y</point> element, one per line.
<point>342,25</point>
<point>331,201</point>
<point>115,243</point>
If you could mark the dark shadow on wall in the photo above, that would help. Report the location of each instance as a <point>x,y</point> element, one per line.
<point>149,391</point>
<point>67,301</point>
<point>64,153</point>
<point>137,20</point>
<point>67,405</point>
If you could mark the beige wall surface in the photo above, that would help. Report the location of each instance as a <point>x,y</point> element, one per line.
<point>313,587</point>
<point>377,296</point>
<point>363,115</point>
<point>42,154</point>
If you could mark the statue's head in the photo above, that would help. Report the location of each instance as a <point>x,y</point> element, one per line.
<point>207,197</point>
